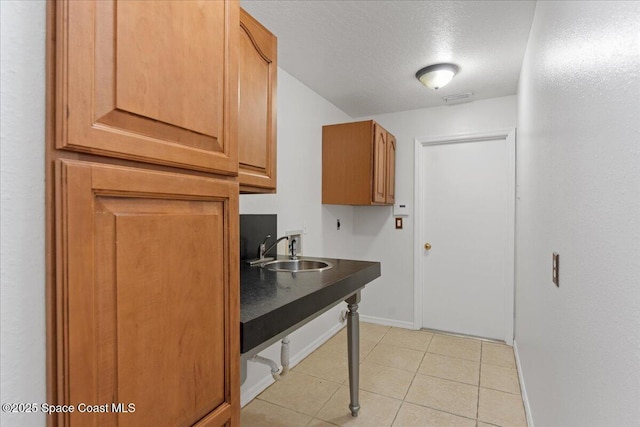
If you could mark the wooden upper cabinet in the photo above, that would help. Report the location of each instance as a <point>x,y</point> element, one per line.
<point>147,296</point>
<point>379,164</point>
<point>152,81</point>
<point>257,68</point>
<point>358,164</point>
<point>390,196</point>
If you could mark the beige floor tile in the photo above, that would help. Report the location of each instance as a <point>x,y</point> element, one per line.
<point>444,395</point>
<point>396,357</point>
<point>341,334</point>
<point>300,392</point>
<point>375,410</point>
<point>338,345</point>
<point>372,332</point>
<point>499,378</point>
<point>462,348</point>
<point>415,340</point>
<point>450,368</point>
<point>443,392</point>
<point>498,354</point>
<point>411,415</point>
<point>325,364</point>
<point>319,423</point>
<point>264,414</point>
<point>502,409</point>
<point>390,382</point>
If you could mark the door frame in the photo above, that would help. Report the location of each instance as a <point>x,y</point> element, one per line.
<point>509,135</point>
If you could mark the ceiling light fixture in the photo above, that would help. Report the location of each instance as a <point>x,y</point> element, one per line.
<point>437,75</point>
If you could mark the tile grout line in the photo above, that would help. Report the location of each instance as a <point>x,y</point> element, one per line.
<point>453,357</point>
<point>440,410</point>
<point>479,380</point>
<point>327,401</point>
<point>416,372</point>
<point>448,379</point>
<point>466,337</point>
<point>281,407</point>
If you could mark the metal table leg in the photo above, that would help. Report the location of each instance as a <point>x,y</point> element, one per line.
<point>353,344</point>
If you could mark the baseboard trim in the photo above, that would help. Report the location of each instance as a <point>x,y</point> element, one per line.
<point>387,322</point>
<point>265,382</point>
<point>254,391</point>
<point>523,389</point>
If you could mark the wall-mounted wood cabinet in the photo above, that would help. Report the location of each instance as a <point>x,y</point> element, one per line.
<point>257,106</point>
<point>151,81</point>
<point>358,164</point>
<point>142,212</point>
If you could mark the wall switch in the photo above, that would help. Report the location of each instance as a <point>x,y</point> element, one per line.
<point>555,265</point>
<point>399,223</point>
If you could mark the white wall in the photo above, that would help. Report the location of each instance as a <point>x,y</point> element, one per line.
<point>390,298</point>
<point>298,201</point>
<point>579,194</point>
<point>22,266</point>
<point>298,204</point>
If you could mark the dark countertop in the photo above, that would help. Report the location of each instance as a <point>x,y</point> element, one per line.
<point>271,302</point>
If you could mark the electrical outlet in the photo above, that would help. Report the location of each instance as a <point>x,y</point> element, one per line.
<point>343,316</point>
<point>295,238</point>
<point>555,269</point>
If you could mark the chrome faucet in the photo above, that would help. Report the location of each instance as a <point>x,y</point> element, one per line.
<point>274,243</point>
<point>262,250</point>
<point>263,245</point>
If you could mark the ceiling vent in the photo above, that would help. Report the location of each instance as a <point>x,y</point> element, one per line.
<point>458,98</point>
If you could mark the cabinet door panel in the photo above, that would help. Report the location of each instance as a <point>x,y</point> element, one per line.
<point>147,296</point>
<point>257,108</point>
<point>379,165</point>
<point>391,169</point>
<point>153,81</point>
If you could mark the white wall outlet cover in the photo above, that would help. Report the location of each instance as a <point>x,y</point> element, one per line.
<point>294,232</point>
<point>296,236</point>
<point>401,209</point>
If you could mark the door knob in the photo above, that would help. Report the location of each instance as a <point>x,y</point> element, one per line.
<point>427,246</point>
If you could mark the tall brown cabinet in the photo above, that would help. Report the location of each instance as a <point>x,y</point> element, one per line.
<point>142,247</point>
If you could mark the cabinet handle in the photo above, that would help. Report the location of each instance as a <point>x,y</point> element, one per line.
<point>427,246</point>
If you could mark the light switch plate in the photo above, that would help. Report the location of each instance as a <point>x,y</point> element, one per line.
<point>555,265</point>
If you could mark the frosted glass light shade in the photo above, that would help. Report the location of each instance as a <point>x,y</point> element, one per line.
<point>437,75</point>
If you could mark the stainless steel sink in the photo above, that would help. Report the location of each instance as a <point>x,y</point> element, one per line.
<point>297,265</point>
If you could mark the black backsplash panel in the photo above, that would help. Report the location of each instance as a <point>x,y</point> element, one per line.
<point>253,230</point>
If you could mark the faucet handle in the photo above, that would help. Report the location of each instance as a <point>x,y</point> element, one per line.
<point>262,248</point>
<point>292,248</point>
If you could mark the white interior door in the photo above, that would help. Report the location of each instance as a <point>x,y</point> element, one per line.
<point>467,217</point>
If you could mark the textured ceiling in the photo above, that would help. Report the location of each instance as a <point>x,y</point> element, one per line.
<point>362,55</point>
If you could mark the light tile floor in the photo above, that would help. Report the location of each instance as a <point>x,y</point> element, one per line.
<point>407,378</point>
